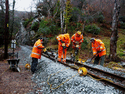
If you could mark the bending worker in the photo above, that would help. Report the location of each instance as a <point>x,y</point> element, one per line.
<point>36,54</point>
<point>99,50</point>
<point>77,39</point>
<point>63,43</point>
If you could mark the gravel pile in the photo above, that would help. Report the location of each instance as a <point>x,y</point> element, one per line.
<point>60,73</point>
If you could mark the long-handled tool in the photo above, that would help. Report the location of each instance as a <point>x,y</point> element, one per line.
<point>64,47</point>
<point>56,56</point>
<point>73,58</point>
<point>90,59</point>
<point>45,51</point>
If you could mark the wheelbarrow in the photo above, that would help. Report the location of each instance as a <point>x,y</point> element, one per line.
<point>14,64</point>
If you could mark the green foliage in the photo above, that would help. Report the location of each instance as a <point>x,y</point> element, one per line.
<point>122,18</point>
<point>92,29</point>
<point>84,44</point>
<point>25,23</point>
<point>89,19</point>
<point>44,30</point>
<point>121,54</point>
<point>47,27</point>
<point>75,13</point>
<point>99,18</point>
<point>54,40</point>
<point>35,26</point>
<point>74,27</point>
<point>78,25</point>
<point>122,25</point>
<point>57,10</point>
<point>53,29</point>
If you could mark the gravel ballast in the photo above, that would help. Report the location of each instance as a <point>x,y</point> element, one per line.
<point>76,85</point>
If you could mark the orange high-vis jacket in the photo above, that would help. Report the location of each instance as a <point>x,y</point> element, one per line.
<point>76,37</point>
<point>37,48</point>
<point>66,40</point>
<point>98,45</point>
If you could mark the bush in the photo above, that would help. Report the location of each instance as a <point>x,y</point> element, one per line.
<point>100,18</point>
<point>122,25</point>
<point>75,13</point>
<point>25,23</point>
<point>74,27</point>
<point>121,54</point>
<point>43,27</point>
<point>54,40</point>
<point>53,29</point>
<point>122,18</point>
<point>84,44</point>
<point>35,26</point>
<point>88,19</point>
<point>92,29</point>
<point>47,27</point>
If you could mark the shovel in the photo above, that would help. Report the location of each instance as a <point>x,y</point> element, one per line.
<point>45,51</point>
<point>90,59</point>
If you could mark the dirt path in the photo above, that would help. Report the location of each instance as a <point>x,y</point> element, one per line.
<point>15,82</point>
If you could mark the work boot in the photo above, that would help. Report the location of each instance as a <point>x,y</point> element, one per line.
<point>59,59</point>
<point>64,61</point>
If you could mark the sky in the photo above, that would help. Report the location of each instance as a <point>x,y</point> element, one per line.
<point>23,5</point>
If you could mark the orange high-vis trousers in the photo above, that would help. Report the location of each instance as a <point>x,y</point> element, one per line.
<point>60,53</point>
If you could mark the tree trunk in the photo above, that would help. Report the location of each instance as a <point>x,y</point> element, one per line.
<point>6,29</point>
<point>12,19</point>
<point>114,34</point>
<point>61,16</point>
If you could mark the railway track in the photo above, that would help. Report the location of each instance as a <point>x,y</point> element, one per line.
<point>95,73</point>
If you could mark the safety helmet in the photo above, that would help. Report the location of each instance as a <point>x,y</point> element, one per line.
<point>27,66</point>
<point>66,36</point>
<point>92,39</point>
<point>79,32</point>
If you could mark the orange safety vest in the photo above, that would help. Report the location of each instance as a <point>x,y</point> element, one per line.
<point>37,48</point>
<point>98,45</point>
<point>66,40</point>
<point>76,37</point>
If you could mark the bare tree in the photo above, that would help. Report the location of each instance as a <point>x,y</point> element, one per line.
<point>62,8</point>
<point>114,34</point>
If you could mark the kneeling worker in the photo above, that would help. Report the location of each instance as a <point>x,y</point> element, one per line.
<point>36,54</point>
<point>63,43</point>
<point>98,48</point>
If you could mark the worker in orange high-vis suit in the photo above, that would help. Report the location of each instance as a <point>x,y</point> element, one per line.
<point>36,54</point>
<point>99,50</point>
<point>63,43</point>
<point>77,39</point>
